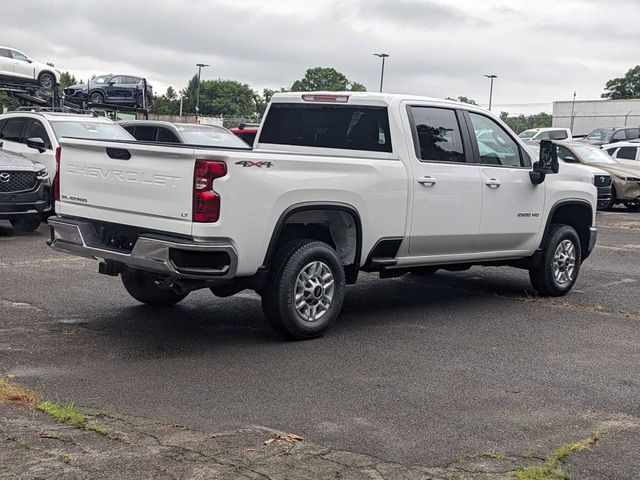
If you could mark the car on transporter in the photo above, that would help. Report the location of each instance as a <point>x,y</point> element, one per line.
<point>123,90</point>
<point>16,66</point>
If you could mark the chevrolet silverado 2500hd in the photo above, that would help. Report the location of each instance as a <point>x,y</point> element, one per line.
<point>336,183</point>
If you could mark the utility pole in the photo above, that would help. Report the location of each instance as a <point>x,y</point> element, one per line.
<point>200,67</point>
<point>382,56</point>
<point>573,109</point>
<point>491,77</point>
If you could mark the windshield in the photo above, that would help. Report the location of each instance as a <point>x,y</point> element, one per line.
<point>593,155</point>
<point>90,130</point>
<point>101,79</point>
<point>527,134</point>
<point>210,136</point>
<point>600,134</point>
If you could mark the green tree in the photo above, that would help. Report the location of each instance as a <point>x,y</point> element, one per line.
<point>329,79</point>
<point>522,122</point>
<point>220,97</point>
<point>8,102</point>
<point>463,100</point>
<point>624,87</point>
<point>166,104</point>
<point>263,100</point>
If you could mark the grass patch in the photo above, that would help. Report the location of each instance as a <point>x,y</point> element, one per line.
<point>550,469</point>
<point>12,393</point>
<point>98,428</point>
<point>65,457</point>
<point>64,413</point>
<point>492,454</point>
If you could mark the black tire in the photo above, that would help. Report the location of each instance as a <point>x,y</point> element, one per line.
<point>25,224</point>
<point>278,295</point>
<point>47,80</point>
<point>97,98</point>
<point>633,205</point>
<point>142,286</point>
<point>542,277</point>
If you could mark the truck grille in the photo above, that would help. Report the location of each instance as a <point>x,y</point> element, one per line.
<point>602,180</point>
<point>14,182</point>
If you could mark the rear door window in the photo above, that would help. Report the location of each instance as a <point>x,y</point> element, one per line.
<point>329,126</point>
<point>36,129</point>
<point>12,130</point>
<point>633,133</point>
<point>167,136</point>
<point>436,135</point>
<point>145,133</point>
<point>627,153</point>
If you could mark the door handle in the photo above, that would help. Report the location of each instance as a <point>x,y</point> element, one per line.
<point>427,181</point>
<point>492,183</point>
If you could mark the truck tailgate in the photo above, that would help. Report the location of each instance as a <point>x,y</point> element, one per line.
<point>145,185</point>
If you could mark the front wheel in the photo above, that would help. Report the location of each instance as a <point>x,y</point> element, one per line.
<point>560,265</point>
<point>143,287</point>
<point>25,224</point>
<point>96,98</point>
<point>305,289</point>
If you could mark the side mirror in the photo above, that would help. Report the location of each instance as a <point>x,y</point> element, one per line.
<point>111,83</point>
<point>570,159</point>
<point>547,164</point>
<point>36,143</point>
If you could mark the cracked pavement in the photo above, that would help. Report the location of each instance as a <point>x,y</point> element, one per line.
<point>419,378</point>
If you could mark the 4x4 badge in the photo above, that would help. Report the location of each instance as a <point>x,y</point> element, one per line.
<point>249,163</point>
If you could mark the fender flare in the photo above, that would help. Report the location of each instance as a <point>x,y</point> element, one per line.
<point>556,206</point>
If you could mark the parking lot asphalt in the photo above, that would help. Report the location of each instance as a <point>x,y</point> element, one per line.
<point>417,370</point>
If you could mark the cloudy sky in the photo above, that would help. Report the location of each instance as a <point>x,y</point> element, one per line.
<point>541,51</point>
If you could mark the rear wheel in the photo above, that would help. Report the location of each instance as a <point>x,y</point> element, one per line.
<point>25,224</point>
<point>144,288</point>
<point>560,265</point>
<point>46,80</point>
<point>305,289</point>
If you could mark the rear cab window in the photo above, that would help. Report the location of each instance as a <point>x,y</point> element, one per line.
<point>343,127</point>
<point>436,134</point>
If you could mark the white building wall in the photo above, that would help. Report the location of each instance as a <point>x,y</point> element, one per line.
<point>591,114</point>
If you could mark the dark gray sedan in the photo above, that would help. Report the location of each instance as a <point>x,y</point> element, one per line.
<point>186,133</point>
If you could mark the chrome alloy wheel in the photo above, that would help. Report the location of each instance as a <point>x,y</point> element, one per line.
<point>564,262</point>
<point>46,80</point>
<point>314,291</point>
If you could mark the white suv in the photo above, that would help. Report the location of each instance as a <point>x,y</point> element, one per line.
<point>35,134</point>
<point>18,66</point>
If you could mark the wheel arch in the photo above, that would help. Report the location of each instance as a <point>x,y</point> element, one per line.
<point>50,72</point>
<point>576,213</point>
<point>323,221</point>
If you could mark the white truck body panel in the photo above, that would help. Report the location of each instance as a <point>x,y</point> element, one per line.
<point>460,219</point>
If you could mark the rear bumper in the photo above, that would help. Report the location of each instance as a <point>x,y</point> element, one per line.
<point>162,254</point>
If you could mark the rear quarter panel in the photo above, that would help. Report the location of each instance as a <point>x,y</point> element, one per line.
<point>255,195</point>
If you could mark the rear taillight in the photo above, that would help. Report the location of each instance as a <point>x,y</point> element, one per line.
<point>56,177</point>
<point>206,202</point>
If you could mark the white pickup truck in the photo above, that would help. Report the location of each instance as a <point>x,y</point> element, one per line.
<point>336,183</point>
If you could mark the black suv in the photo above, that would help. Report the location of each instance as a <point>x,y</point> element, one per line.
<point>603,136</point>
<point>25,191</point>
<point>125,90</point>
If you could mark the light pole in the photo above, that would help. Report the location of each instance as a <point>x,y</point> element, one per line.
<point>200,66</point>
<point>491,77</point>
<point>573,109</point>
<point>382,56</point>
